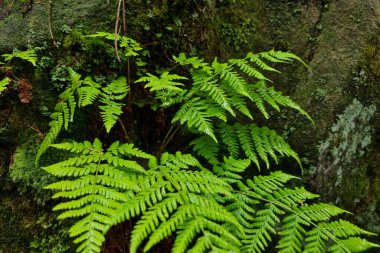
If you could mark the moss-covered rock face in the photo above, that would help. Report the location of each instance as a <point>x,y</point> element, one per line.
<point>27,22</point>
<point>341,92</point>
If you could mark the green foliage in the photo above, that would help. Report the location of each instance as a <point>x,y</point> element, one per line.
<point>82,93</point>
<point>97,188</point>
<point>3,84</point>
<point>223,89</point>
<point>255,143</point>
<point>208,207</point>
<point>205,210</point>
<point>28,55</point>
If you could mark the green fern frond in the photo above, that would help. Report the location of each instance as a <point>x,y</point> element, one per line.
<point>230,169</point>
<point>246,68</point>
<point>96,186</point>
<point>260,228</point>
<point>165,82</point>
<point>55,127</point>
<point>4,83</point>
<point>110,110</point>
<point>206,147</point>
<point>317,238</point>
<point>196,113</point>
<point>75,79</point>
<point>255,58</point>
<point>88,92</point>
<point>110,113</point>
<point>344,229</point>
<point>195,62</point>
<point>106,35</point>
<point>238,101</point>
<point>205,83</point>
<point>255,142</point>
<point>131,46</point>
<point>261,93</point>
<point>292,233</point>
<point>264,185</point>
<point>231,78</point>
<point>28,55</point>
<point>353,244</point>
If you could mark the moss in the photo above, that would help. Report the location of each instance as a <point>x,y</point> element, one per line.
<point>32,28</point>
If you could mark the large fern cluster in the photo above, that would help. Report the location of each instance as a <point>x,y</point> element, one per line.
<point>207,211</point>
<point>206,207</point>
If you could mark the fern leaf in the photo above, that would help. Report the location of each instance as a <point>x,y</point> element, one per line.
<point>231,78</point>
<point>195,113</point>
<point>206,147</point>
<point>96,191</point>
<point>264,185</point>
<point>255,58</point>
<point>28,55</point>
<point>353,244</point>
<point>204,82</point>
<point>263,226</point>
<point>88,93</point>
<point>111,110</point>
<point>110,113</point>
<point>248,69</point>
<point>106,35</point>
<point>3,84</point>
<point>195,62</point>
<point>164,82</point>
<point>231,169</point>
<point>246,143</point>
<point>292,233</point>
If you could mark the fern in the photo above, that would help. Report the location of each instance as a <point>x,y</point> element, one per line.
<point>83,93</point>
<point>228,85</point>
<point>205,207</point>
<point>99,178</point>
<point>28,55</point>
<point>254,142</point>
<point>4,83</point>
<point>111,108</point>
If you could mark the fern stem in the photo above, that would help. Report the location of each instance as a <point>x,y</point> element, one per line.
<point>168,138</point>
<point>116,30</point>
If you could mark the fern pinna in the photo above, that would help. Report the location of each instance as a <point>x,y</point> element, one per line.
<point>208,207</point>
